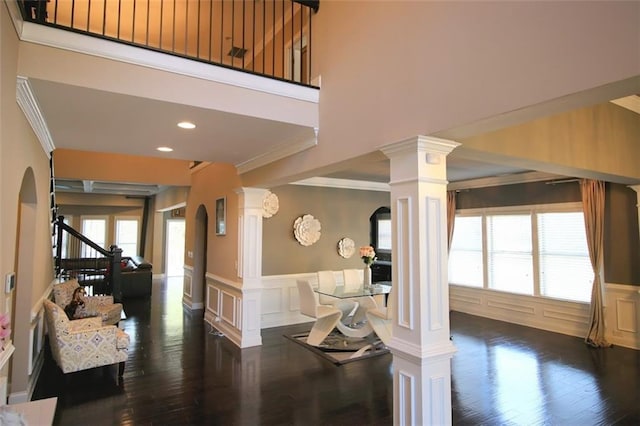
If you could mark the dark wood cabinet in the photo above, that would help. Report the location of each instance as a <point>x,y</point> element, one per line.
<point>380,271</point>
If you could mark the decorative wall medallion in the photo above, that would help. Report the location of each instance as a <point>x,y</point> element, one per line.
<point>346,247</point>
<point>270,205</point>
<point>306,229</point>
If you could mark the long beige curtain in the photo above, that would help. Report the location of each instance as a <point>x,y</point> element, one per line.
<point>451,216</point>
<point>593,207</point>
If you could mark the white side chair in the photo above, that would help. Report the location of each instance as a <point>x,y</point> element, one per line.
<point>327,317</point>
<point>381,319</point>
<point>352,280</point>
<point>353,283</point>
<point>327,283</point>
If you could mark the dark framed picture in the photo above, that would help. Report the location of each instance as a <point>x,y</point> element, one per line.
<point>221,216</point>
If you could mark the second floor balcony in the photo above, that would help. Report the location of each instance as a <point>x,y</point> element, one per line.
<point>272,38</point>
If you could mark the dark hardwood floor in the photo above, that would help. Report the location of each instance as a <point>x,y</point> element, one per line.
<point>180,373</point>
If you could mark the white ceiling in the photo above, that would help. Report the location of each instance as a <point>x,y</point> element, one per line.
<point>86,119</point>
<point>93,120</point>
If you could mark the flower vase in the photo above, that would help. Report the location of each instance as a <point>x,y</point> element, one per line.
<point>367,276</point>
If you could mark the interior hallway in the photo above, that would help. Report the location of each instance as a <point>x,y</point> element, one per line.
<point>180,373</point>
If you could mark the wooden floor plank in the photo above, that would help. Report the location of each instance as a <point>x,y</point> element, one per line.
<point>180,373</point>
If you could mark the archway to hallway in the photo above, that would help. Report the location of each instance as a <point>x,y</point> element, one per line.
<point>175,237</point>
<point>198,280</point>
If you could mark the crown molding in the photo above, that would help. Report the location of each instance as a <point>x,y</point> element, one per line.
<point>361,185</point>
<point>29,105</point>
<point>511,179</point>
<point>283,150</point>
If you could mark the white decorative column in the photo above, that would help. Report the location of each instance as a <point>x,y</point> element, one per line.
<point>421,345</point>
<point>250,263</point>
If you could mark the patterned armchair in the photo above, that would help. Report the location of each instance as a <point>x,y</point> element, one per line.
<point>101,306</point>
<point>84,343</point>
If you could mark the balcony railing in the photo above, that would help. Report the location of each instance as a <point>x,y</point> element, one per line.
<point>266,37</point>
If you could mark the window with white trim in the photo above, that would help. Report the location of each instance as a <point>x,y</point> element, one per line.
<point>509,253</point>
<point>64,249</point>
<point>565,266</point>
<point>94,228</point>
<point>534,250</point>
<point>466,266</point>
<point>127,236</point>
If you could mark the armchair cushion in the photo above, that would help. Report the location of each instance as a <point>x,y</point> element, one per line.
<point>84,343</point>
<point>63,292</point>
<point>101,306</point>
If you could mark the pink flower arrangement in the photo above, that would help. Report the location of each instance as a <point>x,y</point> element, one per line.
<point>368,255</point>
<point>5,328</point>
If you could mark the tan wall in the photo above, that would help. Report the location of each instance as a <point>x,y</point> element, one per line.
<point>586,142</point>
<point>208,184</point>
<point>120,168</point>
<point>341,213</point>
<point>23,165</point>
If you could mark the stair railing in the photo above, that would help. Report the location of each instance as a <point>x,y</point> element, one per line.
<point>76,256</point>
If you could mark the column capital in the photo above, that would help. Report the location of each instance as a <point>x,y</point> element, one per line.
<point>420,143</point>
<point>251,198</point>
<point>419,158</point>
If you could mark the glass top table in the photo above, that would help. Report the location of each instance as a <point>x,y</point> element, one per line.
<point>383,287</point>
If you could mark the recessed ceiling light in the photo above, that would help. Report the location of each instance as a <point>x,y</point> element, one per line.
<point>186,125</point>
<point>164,149</point>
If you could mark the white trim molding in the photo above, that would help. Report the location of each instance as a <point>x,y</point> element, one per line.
<point>512,179</point>
<point>29,106</point>
<point>344,184</point>
<point>67,40</point>
<point>284,150</point>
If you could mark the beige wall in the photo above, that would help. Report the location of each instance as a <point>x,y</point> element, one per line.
<point>23,166</point>
<point>587,142</point>
<point>120,168</point>
<point>411,68</point>
<point>341,213</point>
<point>208,184</point>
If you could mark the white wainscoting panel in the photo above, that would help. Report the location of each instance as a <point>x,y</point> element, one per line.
<point>280,302</point>
<point>186,284</point>
<point>228,308</point>
<point>213,301</point>
<point>622,315</point>
<point>547,314</point>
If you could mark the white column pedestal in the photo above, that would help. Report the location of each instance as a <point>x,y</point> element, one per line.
<point>250,263</point>
<point>420,345</point>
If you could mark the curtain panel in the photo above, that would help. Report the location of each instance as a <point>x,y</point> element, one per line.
<point>593,207</point>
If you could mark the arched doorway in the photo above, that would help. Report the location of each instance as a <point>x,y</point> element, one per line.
<point>198,281</point>
<point>22,295</point>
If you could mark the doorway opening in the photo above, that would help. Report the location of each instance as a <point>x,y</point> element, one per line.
<point>175,248</point>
